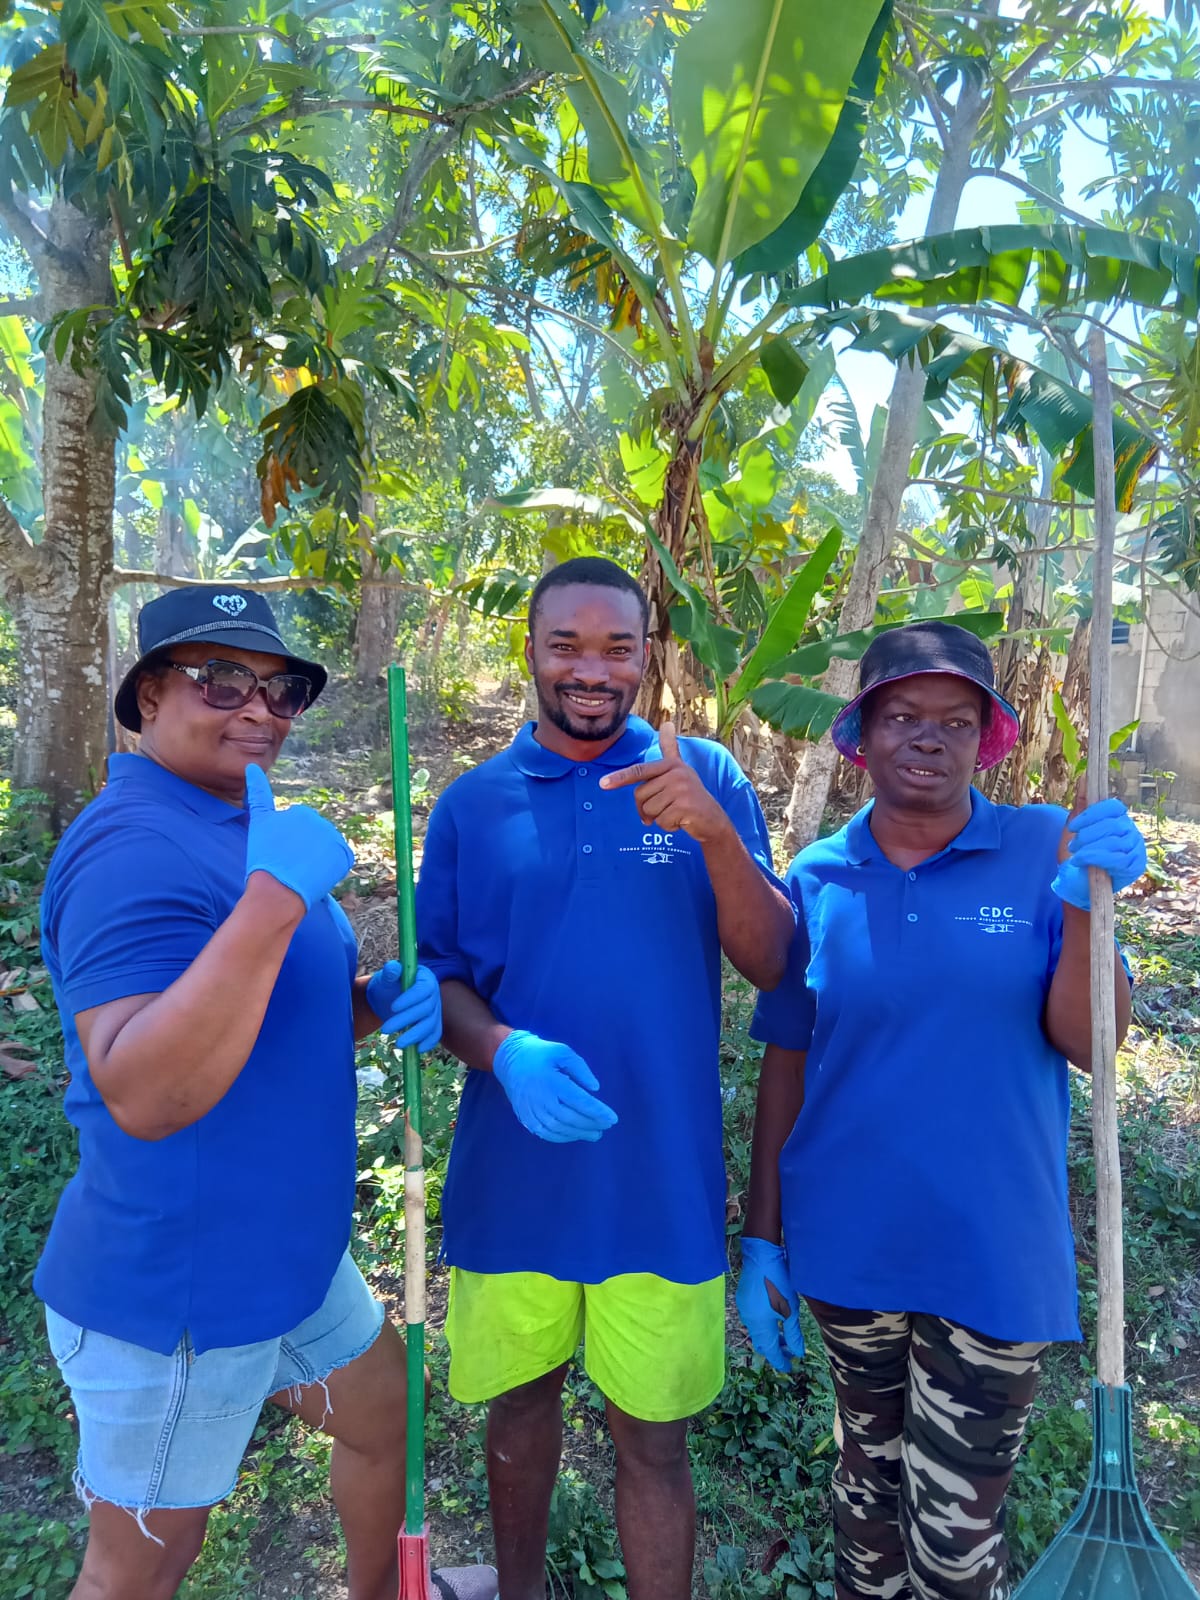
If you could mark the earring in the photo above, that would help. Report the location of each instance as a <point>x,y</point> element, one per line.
<point>979,766</point>
<point>858,750</point>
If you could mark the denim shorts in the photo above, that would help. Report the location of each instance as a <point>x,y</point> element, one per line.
<point>168,1432</point>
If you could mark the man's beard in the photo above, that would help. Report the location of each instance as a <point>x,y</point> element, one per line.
<point>590,729</point>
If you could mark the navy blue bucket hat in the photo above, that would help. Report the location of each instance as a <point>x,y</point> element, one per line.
<point>922,647</point>
<point>239,618</point>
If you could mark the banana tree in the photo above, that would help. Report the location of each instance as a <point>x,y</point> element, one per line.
<point>766,114</point>
<point>687,212</point>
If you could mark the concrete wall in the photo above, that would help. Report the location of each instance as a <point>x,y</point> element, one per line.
<point>1169,736</point>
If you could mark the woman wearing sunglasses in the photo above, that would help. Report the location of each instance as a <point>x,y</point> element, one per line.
<point>197,1264</point>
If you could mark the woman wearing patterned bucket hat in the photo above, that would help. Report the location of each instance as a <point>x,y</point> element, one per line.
<point>909,1166</point>
<point>198,1261</point>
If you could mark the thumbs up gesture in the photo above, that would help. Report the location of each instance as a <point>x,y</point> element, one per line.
<point>298,847</point>
<point>670,794</point>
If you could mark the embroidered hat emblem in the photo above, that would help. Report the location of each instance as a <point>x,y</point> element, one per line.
<point>232,604</point>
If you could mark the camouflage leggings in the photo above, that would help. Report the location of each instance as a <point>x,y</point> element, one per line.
<point>929,1423</point>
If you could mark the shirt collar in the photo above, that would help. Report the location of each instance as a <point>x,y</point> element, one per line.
<point>168,786</point>
<point>535,761</point>
<point>980,832</point>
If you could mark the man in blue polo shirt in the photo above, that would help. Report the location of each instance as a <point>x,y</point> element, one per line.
<point>576,894</point>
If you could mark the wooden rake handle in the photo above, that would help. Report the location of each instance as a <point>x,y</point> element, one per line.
<point>1110,1268</point>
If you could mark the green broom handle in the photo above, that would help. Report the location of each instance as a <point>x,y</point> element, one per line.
<point>414,1160</point>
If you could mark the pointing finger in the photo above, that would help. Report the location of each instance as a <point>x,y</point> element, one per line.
<point>668,741</point>
<point>258,790</point>
<point>638,773</point>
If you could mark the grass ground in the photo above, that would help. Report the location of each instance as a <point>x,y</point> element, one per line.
<point>764,1451</point>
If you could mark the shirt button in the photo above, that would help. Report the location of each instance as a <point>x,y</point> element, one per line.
<point>587,805</point>
<point>912,915</point>
<point>583,772</point>
<point>912,877</point>
<point>587,850</point>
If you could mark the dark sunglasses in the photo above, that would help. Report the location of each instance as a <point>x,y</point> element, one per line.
<point>226,685</point>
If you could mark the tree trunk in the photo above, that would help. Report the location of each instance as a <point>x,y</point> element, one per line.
<point>814,772</point>
<point>1058,780</point>
<point>173,552</point>
<point>1024,672</point>
<point>810,792</point>
<point>375,630</point>
<point>58,589</point>
<point>378,614</point>
<point>673,519</point>
<point>529,697</point>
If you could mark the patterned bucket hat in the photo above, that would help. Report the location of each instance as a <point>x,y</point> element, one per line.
<point>922,647</point>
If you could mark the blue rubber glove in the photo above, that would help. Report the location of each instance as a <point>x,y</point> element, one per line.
<point>1105,836</point>
<point>765,1265</point>
<point>298,847</point>
<point>414,1014</point>
<point>547,1085</point>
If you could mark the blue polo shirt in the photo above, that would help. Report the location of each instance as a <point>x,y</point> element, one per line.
<point>571,918</point>
<point>230,1229</point>
<point>927,1170</point>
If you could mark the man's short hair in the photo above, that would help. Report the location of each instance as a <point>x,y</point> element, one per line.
<point>596,570</point>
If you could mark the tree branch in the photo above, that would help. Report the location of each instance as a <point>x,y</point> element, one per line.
<point>383,240</point>
<point>581,424</point>
<point>23,227</point>
<point>1098,88</point>
<point>948,486</point>
<point>170,580</point>
<point>304,108</point>
<point>252,32</point>
<point>1044,47</point>
<point>927,88</point>
<point>27,306</point>
<point>379,245</point>
<point>505,291</point>
<point>21,561</point>
<point>1048,200</point>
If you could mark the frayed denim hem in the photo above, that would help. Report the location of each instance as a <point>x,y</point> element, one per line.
<point>88,1497</point>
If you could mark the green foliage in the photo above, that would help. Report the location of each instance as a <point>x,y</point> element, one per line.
<point>1061,265</point>
<point>582,1557</point>
<point>781,250</point>
<point>1181,1434</point>
<point>758,91</point>
<point>206,269</point>
<point>122,47</point>
<point>311,442</point>
<point>219,157</point>
<point>1013,396</point>
<point>40,1556</point>
<point>1074,754</point>
<point>1051,1472</point>
<point>37,1145</point>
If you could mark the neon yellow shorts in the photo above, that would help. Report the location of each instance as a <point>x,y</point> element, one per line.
<point>655,1349</point>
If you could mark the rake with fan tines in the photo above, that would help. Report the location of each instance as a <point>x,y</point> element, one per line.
<point>1109,1550</point>
<point>417,1582</point>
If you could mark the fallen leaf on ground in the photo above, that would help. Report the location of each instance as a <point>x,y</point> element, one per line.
<point>12,1064</point>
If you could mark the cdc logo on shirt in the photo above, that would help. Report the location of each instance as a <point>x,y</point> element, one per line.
<point>996,919</point>
<point>656,849</point>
